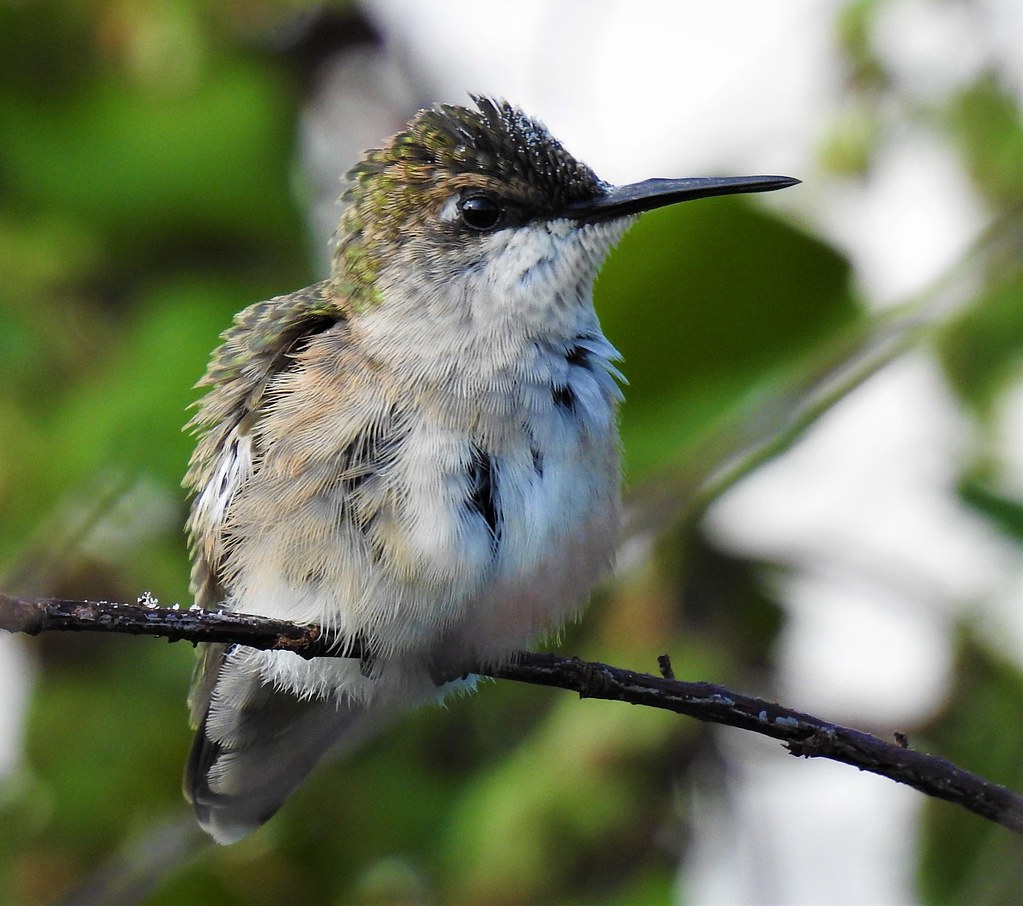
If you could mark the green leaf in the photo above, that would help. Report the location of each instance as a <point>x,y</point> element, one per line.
<point>705,300</point>
<point>982,349</point>
<point>986,123</point>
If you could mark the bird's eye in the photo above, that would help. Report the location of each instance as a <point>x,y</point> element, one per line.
<point>481,212</point>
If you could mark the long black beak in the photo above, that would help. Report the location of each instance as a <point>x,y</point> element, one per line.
<point>620,201</point>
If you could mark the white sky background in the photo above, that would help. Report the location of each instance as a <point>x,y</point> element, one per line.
<point>864,505</point>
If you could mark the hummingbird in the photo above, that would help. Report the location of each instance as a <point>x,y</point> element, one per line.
<point>420,452</point>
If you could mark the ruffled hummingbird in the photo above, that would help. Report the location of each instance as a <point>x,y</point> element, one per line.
<point>420,452</point>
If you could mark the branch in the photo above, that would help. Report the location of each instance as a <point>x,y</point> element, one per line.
<point>803,734</point>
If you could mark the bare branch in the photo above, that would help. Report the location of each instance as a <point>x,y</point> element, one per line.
<point>36,615</point>
<point>803,734</point>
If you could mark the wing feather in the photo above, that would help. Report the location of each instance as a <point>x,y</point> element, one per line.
<point>261,344</point>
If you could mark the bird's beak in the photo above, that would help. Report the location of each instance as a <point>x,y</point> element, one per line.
<point>620,201</point>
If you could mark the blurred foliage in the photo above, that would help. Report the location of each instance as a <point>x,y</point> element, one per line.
<point>967,859</point>
<point>963,858</point>
<point>985,122</point>
<point>147,192</point>
<point>981,349</point>
<point>757,295</point>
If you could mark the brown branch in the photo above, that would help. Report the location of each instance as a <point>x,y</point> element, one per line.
<point>147,617</point>
<point>803,734</point>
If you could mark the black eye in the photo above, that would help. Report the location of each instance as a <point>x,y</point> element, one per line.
<point>481,212</point>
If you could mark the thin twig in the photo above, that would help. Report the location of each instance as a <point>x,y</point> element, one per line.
<point>803,734</point>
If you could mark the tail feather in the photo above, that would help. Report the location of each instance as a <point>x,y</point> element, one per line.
<point>252,750</point>
<point>236,789</point>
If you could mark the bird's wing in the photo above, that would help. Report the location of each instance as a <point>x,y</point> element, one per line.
<point>254,743</point>
<point>263,342</point>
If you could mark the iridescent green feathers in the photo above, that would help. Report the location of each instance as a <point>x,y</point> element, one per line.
<point>494,139</point>
<point>393,189</point>
<point>261,342</point>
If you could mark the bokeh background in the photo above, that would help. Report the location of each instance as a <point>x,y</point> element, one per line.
<point>824,440</point>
